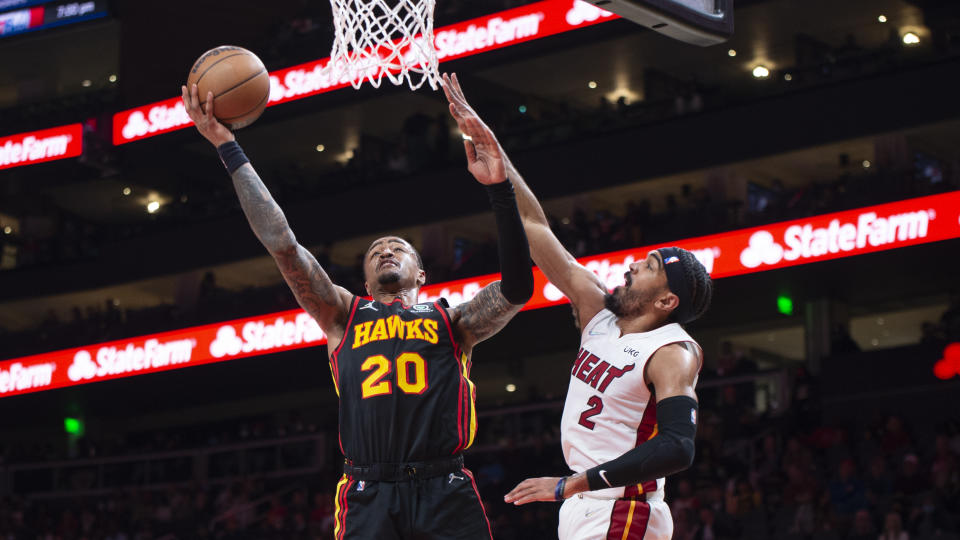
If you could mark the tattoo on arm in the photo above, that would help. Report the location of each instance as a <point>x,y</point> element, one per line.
<point>485,315</point>
<point>308,281</point>
<point>263,213</point>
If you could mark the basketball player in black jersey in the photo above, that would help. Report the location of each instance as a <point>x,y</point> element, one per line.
<point>400,368</point>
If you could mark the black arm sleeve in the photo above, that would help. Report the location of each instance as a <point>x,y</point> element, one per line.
<point>670,451</point>
<point>516,268</point>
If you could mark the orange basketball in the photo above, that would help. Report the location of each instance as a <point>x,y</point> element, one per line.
<point>239,82</point>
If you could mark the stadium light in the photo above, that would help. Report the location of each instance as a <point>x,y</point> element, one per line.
<point>732,52</point>
<point>911,38</point>
<point>882,18</point>
<point>761,72</point>
<point>153,206</point>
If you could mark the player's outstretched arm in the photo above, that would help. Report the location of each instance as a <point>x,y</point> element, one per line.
<point>673,372</point>
<point>581,286</point>
<point>325,302</point>
<point>496,303</point>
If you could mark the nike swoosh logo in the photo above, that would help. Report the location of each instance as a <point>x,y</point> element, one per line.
<point>592,333</point>
<point>589,513</point>
<point>603,475</point>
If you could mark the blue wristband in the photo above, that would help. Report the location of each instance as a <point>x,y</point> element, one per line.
<point>558,491</point>
<point>232,156</point>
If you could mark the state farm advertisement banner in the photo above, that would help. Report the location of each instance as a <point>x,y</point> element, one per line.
<point>802,241</point>
<point>160,352</point>
<point>39,146</point>
<point>510,27</point>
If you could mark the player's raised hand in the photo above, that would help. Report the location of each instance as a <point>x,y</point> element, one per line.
<point>533,490</point>
<point>484,156</point>
<point>206,123</point>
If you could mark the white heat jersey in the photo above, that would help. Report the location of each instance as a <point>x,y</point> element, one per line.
<point>609,408</point>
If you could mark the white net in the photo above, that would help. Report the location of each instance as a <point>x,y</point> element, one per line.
<point>384,38</point>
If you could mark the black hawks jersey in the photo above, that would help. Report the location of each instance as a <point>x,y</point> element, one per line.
<point>403,382</point>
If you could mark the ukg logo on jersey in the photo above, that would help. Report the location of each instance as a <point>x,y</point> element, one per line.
<point>810,241</point>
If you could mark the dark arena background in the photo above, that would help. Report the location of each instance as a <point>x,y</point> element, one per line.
<point>157,380</point>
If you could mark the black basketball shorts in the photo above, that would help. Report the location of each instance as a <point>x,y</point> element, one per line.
<point>446,507</point>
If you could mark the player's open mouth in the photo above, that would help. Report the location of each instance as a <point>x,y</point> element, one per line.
<point>385,263</point>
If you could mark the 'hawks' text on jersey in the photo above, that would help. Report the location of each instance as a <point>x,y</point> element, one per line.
<point>404,386</point>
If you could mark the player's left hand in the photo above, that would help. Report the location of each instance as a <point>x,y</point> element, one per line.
<point>533,490</point>
<point>484,157</point>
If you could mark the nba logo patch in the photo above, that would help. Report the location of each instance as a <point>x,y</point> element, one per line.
<point>672,260</point>
<point>361,485</point>
<point>693,416</point>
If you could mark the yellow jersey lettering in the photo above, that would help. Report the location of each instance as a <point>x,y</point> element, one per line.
<point>379,331</point>
<point>413,329</point>
<point>361,334</point>
<point>430,330</point>
<point>395,326</point>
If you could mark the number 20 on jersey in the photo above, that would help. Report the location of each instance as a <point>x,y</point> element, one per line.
<point>410,376</point>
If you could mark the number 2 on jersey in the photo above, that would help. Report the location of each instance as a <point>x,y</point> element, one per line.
<point>373,385</point>
<point>596,407</point>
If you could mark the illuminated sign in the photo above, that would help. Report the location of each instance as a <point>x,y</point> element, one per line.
<point>48,15</point>
<point>39,146</point>
<point>842,234</point>
<point>510,27</point>
<point>949,365</point>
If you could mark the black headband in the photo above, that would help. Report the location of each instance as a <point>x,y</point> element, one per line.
<point>676,280</point>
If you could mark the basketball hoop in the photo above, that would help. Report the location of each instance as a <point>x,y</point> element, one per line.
<point>384,38</point>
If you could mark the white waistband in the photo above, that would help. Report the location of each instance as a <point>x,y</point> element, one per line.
<point>617,493</point>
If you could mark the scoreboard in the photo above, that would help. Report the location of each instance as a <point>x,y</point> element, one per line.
<point>19,16</point>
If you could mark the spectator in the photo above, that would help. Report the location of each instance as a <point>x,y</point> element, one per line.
<point>893,528</point>
<point>863,528</point>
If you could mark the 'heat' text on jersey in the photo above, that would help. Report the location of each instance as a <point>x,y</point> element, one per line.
<point>595,372</point>
<point>393,327</point>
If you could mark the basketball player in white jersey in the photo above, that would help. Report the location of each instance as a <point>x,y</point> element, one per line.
<point>631,411</point>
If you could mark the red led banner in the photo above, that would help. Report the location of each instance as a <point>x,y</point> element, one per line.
<point>39,146</point>
<point>502,29</point>
<point>802,241</point>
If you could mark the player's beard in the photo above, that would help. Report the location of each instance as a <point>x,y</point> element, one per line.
<point>389,277</point>
<point>625,303</point>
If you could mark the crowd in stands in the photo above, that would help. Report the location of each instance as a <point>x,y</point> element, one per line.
<point>52,235</point>
<point>690,212</point>
<point>757,475</point>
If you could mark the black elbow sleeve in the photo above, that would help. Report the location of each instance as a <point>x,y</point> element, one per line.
<point>669,452</point>
<point>516,268</point>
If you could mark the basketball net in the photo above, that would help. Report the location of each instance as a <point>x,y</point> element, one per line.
<point>384,38</point>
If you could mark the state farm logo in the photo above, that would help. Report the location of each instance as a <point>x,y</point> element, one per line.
<point>259,336</point>
<point>31,148</point>
<point>807,241</point>
<point>110,360</point>
<point>582,12</point>
<point>611,272</point>
<point>20,377</point>
<point>496,31</point>
<point>157,118</point>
